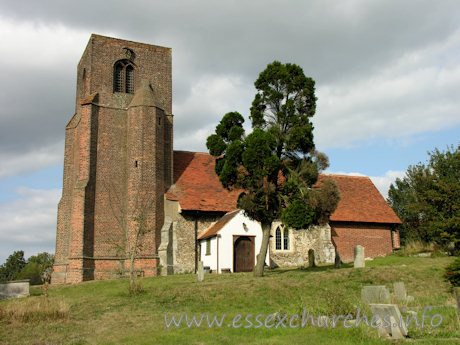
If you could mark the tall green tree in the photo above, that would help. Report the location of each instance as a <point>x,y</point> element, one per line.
<point>276,165</point>
<point>427,199</point>
<point>12,266</point>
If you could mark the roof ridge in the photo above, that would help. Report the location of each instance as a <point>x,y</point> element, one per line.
<point>201,153</point>
<point>344,175</point>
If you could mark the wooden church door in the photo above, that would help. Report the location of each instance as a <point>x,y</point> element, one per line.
<point>243,254</point>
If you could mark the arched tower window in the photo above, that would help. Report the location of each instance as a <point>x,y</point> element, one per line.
<point>286,239</point>
<point>123,77</point>
<point>278,238</point>
<point>129,79</point>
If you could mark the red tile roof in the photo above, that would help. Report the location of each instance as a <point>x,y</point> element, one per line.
<point>360,201</point>
<point>197,187</point>
<point>215,228</point>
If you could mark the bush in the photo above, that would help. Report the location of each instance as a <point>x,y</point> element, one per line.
<point>136,288</point>
<point>453,273</point>
<point>414,247</point>
<point>31,272</point>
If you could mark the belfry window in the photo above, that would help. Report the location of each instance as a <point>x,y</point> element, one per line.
<point>123,77</point>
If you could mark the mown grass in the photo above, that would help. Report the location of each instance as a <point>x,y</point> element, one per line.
<point>103,313</point>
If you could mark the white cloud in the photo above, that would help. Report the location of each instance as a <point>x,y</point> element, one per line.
<point>383,182</point>
<point>29,222</point>
<point>40,45</point>
<point>33,160</point>
<point>416,94</point>
<point>209,100</point>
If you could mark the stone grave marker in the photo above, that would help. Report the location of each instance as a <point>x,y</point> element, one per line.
<point>375,294</point>
<point>359,257</point>
<point>337,261</point>
<point>200,271</point>
<point>311,258</point>
<point>389,313</point>
<point>400,291</point>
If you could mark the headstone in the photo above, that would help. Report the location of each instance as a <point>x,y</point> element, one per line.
<point>400,291</point>
<point>311,258</point>
<point>14,289</point>
<point>375,294</point>
<point>359,257</point>
<point>337,262</point>
<point>200,271</point>
<point>389,312</point>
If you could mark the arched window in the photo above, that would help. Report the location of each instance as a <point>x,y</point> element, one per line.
<point>123,77</point>
<point>129,79</point>
<point>286,239</point>
<point>278,238</point>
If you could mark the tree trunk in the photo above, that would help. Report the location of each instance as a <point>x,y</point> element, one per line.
<point>259,268</point>
<point>132,275</point>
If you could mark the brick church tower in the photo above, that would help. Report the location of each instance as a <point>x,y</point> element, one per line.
<point>118,160</point>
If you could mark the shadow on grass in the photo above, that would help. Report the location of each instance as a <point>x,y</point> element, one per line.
<point>276,271</point>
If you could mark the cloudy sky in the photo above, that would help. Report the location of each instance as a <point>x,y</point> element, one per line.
<point>387,80</point>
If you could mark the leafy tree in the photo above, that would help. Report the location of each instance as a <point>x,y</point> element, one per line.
<point>276,165</point>
<point>45,260</point>
<point>31,271</point>
<point>427,198</point>
<point>36,266</point>
<point>13,266</point>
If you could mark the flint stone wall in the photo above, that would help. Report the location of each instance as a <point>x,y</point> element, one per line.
<point>316,237</point>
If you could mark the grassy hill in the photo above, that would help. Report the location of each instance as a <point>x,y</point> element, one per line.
<point>102,312</point>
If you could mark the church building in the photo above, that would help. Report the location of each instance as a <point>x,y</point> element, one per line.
<point>120,171</point>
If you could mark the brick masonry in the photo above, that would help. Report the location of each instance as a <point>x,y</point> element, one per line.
<point>118,161</point>
<point>377,239</point>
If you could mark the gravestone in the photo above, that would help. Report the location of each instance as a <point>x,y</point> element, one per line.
<point>400,291</point>
<point>200,271</point>
<point>359,257</point>
<point>311,258</point>
<point>375,294</point>
<point>389,313</point>
<point>14,289</point>
<point>337,261</point>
